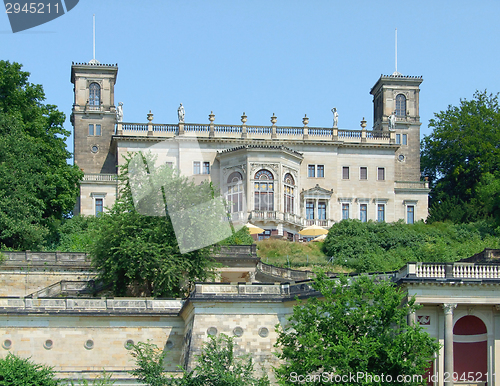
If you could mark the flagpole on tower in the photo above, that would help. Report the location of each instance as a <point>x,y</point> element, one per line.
<point>93,61</point>
<point>93,17</point>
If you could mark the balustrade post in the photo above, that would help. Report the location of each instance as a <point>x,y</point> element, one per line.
<point>363,130</point>
<point>273,128</point>
<point>211,118</point>
<point>305,121</point>
<point>392,136</point>
<point>119,128</point>
<point>335,134</point>
<point>150,123</point>
<point>181,128</point>
<point>244,126</point>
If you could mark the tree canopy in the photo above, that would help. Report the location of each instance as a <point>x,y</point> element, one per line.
<point>360,326</point>
<point>217,365</point>
<point>17,371</point>
<point>37,185</point>
<point>462,157</point>
<point>137,247</point>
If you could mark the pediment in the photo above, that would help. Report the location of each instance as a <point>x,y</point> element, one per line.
<point>317,192</point>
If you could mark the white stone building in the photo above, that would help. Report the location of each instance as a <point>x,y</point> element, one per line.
<point>281,178</point>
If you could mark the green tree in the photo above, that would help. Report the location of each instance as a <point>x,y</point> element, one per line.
<point>37,186</point>
<point>137,247</point>
<point>359,326</point>
<point>16,371</point>
<point>462,148</point>
<point>217,365</point>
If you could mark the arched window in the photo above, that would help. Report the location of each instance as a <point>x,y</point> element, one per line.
<point>264,190</point>
<point>94,95</point>
<point>400,105</point>
<point>234,195</point>
<point>289,193</point>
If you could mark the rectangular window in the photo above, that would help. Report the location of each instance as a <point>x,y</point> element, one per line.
<point>381,174</point>
<point>196,167</point>
<point>405,139</point>
<point>410,214</point>
<point>321,210</point>
<point>363,173</point>
<point>91,129</point>
<point>97,129</point>
<point>206,167</point>
<point>170,164</point>
<point>345,173</point>
<point>310,210</point>
<point>311,170</point>
<point>363,212</point>
<point>398,139</point>
<point>99,206</point>
<point>321,171</point>
<point>345,211</point>
<point>380,212</point>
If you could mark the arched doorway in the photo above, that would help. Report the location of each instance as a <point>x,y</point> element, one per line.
<point>470,350</point>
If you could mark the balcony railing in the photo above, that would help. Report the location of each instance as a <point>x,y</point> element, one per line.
<point>291,218</point>
<point>100,177</point>
<point>256,132</point>
<point>451,271</point>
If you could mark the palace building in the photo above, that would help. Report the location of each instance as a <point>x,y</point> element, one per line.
<point>280,178</point>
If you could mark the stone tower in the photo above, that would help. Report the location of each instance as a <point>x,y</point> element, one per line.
<point>399,94</point>
<point>93,118</point>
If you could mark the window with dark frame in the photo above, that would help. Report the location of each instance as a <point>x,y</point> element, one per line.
<point>289,195</point>
<point>381,174</point>
<point>206,167</point>
<point>380,212</point>
<point>97,129</point>
<point>99,206</point>
<point>321,171</point>
<point>234,195</point>
<point>410,214</point>
<point>264,191</point>
<point>400,105</point>
<point>311,169</point>
<point>91,129</point>
<point>398,139</point>
<point>345,211</point>
<point>94,94</point>
<point>321,210</point>
<point>363,173</point>
<point>309,210</point>
<point>345,172</point>
<point>405,139</point>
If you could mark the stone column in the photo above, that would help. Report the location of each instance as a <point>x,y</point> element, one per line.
<point>448,341</point>
<point>316,202</point>
<point>274,119</point>
<point>211,118</point>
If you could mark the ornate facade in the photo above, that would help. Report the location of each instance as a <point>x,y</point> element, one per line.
<point>281,178</point>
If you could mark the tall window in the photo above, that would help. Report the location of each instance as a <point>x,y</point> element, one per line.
<point>321,210</point>
<point>99,206</point>
<point>91,129</point>
<point>234,195</point>
<point>264,190</point>
<point>206,167</point>
<point>311,170</point>
<point>380,212</point>
<point>381,174</point>
<point>410,214</point>
<point>289,193</point>
<point>321,171</point>
<point>196,167</point>
<point>401,105</point>
<point>363,212</point>
<point>94,95</point>
<point>363,173</point>
<point>345,173</point>
<point>309,210</point>
<point>345,211</point>
<point>398,139</point>
<point>405,139</point>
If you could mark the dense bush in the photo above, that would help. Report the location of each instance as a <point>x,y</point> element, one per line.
<point>17,371</point>
<point>374,246</point>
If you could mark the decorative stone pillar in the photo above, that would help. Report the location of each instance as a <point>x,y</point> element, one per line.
<point>305,121</point>
<point>363,130</point>
<point>448,340</point>
<point>119,128</point>
<point>273,128</point>
<point>150,123</point>
<point>244,126</point>
<point>211,118</point>
<point>316,202</point>
<point>392,134</point>
<point>335,134</point>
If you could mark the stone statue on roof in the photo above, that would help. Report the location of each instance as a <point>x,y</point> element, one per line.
<point>181,113</point>
<point>392,121</point>
<point>119,112</point>
<point>335,117</point>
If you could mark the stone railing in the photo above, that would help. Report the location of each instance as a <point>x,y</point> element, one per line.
<point>450,271</point>
<point>91,305</point>
<point>100,177</point>
<point>46,257</point>
<point>284,273</point>
<point>411,185</point>
<point>254,132</point>
<point>254,290</point>
<point>262,215</point>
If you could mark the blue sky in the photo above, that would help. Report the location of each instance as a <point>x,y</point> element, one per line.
<point>262,57</point>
